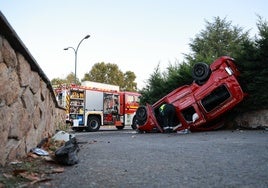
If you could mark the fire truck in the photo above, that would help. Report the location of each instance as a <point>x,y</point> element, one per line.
<point>94,104</point>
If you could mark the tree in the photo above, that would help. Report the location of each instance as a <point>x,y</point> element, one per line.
<point>57,81</point>
<point>68,80</point>
<point>161,83</point>
<point>177,75</point>
<point>253,64</point>
<point>155,87</point>
<point>261,70</point>
<point>262,41</point>
<point>219,38</point>
<point>129,83</point>
<point>109,73</point>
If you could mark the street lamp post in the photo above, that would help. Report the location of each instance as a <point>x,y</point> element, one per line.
<point>75,54</point>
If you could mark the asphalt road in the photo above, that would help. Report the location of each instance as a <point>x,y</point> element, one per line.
<point>112,158</point>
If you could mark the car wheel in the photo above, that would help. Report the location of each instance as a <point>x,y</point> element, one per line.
<point>134,123</point>
<point>201,72</point>
<point>93,124</point>
<point>141,115</point>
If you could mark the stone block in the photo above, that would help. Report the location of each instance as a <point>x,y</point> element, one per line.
<point>24,70</point>
<point>1,46</point>
<point>34,82</point>
<point>9,55</point>
<point>9,86</point>
<point>27,100</point>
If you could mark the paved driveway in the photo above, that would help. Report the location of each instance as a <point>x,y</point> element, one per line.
<point>112,158</point>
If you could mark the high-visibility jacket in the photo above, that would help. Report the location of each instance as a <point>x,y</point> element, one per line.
<point>161,109</point>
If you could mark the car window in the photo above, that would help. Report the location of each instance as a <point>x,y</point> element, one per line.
<point>215,98</point>
<point>188,113</point>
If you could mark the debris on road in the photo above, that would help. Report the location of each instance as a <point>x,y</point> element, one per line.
<point>67,154</point>
<point>62,135</point>
<point>40,162</point>
<point>39,151</point>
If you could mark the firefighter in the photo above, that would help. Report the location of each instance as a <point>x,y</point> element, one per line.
<point>167,113</point>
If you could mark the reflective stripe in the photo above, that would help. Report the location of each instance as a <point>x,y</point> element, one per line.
<point>161,109</point>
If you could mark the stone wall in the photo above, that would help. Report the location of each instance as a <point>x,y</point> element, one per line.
<point>253,120</point>
<point>28,108</point>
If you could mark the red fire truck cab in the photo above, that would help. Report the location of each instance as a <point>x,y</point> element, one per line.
<point>199,106</point>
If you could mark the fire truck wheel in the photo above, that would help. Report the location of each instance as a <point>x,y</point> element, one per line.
<point>93,124</point>
<point>201,72</point>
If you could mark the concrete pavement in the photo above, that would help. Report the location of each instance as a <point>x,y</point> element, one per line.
<point>124,158</point>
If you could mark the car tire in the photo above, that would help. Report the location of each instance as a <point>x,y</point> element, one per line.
<point>141,115</point>
<point>201,72</point>
<point>134,123</point>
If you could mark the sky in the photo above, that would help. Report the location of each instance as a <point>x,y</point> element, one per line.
<point>137,35</point>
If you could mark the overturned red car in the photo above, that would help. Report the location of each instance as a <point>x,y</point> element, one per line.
<point>201,105</point>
